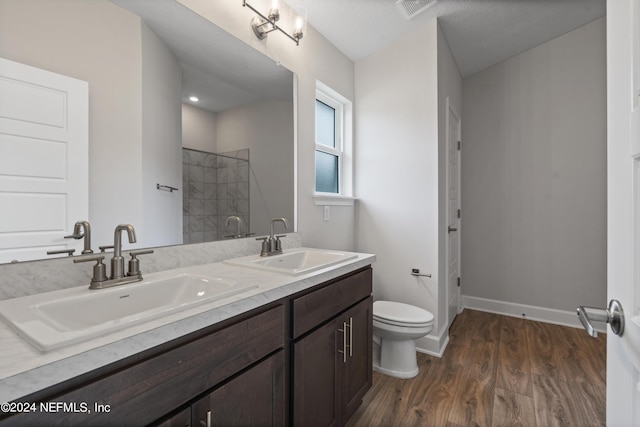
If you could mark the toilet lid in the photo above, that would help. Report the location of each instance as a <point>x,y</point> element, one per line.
<point>397,312</point>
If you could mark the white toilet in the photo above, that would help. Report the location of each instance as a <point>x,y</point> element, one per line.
<point>396,326</point>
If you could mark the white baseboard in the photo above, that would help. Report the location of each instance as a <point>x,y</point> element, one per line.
<point>432,344</point>
<point>530,312</point>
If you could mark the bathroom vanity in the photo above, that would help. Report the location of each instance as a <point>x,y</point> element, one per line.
<point>297,352</point>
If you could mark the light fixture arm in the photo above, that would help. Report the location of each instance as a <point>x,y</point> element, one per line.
<point>258,23</point>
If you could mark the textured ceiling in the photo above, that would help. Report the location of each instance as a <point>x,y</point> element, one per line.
<point>480,33</point>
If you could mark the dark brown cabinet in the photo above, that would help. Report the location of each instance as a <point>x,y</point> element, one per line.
<point>332,363</point>
<point>181,419</point>
<point>254,398</point>
<point>304,360</point>
<point>146,390</point>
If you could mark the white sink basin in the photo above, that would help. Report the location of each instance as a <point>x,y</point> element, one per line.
<point>294,261</point>
<point>56,319</point>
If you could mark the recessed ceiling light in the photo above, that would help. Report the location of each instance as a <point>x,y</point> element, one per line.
<point>194,99</point>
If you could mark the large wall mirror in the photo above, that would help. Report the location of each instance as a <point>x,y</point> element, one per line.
<point>230,155</point>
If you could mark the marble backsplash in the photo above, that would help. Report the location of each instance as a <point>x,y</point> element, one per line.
<point>33,277</point>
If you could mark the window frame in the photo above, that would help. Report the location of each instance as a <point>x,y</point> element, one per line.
<point>338,138</point>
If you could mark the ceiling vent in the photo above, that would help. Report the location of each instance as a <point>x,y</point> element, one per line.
<point>411,8</point>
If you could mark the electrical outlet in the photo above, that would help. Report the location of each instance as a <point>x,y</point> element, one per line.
<point>326,214</point>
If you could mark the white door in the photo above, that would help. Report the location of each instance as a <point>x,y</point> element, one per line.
<point>623,209</point>
<point>453,213</point>
<point>43,160</point>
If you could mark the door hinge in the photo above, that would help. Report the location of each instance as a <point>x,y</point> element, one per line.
<point>458,213</point>
<point>458,282</point>
<point>459,145</point>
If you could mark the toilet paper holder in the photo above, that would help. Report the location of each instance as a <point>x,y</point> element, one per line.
<point>416,272</point>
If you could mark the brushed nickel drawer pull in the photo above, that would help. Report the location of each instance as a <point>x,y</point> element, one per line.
<point>344,342</point>
<point>350,336</point>
<point>208,422</point>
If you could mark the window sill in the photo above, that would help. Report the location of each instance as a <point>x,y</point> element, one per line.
<point>329,200</point>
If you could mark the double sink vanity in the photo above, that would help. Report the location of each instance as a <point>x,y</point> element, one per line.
<point>278,340</point>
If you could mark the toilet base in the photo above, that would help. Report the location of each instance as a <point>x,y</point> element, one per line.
<point>396,358</point>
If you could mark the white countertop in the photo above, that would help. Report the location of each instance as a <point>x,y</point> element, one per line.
<point>25,370</point>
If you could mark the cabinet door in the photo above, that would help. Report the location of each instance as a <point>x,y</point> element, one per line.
<point>181,419</point>
<point>356,373</point>
<point>316,365</point>
<point>254,398</point>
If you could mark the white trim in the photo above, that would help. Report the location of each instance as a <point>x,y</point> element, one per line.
<point>296,105</point>
<point>529,312</point>
<point>344,138</point>
<point>451,111</point>
<point>327,99</point>
<point>333,200</point>
<point>433,345</point>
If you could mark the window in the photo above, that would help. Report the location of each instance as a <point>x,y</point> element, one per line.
<point>333,144</point>
<point>328,145</point>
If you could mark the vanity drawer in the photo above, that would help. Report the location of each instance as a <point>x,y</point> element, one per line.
<point>145,391</point>
<point>314,308</point>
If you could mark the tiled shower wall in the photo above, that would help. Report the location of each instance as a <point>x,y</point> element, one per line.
<point>216,186</point>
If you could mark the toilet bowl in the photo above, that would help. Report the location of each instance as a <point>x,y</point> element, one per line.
<point>396,326</point>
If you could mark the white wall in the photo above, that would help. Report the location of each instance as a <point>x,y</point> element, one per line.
<point>534,177</point>
<point>314,59</point>
<point>198,129</point>
<point>161,148</point>
<point>396,169</point>
<point>266,129</point>
<point>102,44</point>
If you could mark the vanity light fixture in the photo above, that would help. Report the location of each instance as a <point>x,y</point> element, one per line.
<point>194,98</point>
<point>263,25</point>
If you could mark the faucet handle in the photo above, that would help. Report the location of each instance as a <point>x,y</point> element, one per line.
<point>104,248</point>
<point>134,262</point>
<point>74,236</point>
<point>62,251</point>
<point>99,270</point>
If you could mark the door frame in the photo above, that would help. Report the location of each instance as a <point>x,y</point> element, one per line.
<point>623,187</point>
<point>452,111</point>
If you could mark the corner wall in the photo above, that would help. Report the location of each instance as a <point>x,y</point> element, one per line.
<point>396,170</point>
<point>161,147</point>
<point>534,180</point>
<point>449,87</point>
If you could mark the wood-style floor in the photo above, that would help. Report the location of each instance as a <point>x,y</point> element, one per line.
<point>497,371</point>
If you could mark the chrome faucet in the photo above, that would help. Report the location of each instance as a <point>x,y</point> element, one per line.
<point>271,245</point>
<point>117,277</point>
<point>238,221</point>
<point>82,229</point>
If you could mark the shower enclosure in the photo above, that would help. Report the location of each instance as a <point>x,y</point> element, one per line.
<point>216,187</point>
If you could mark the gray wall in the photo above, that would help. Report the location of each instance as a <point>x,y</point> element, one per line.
<point>534,176</point>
